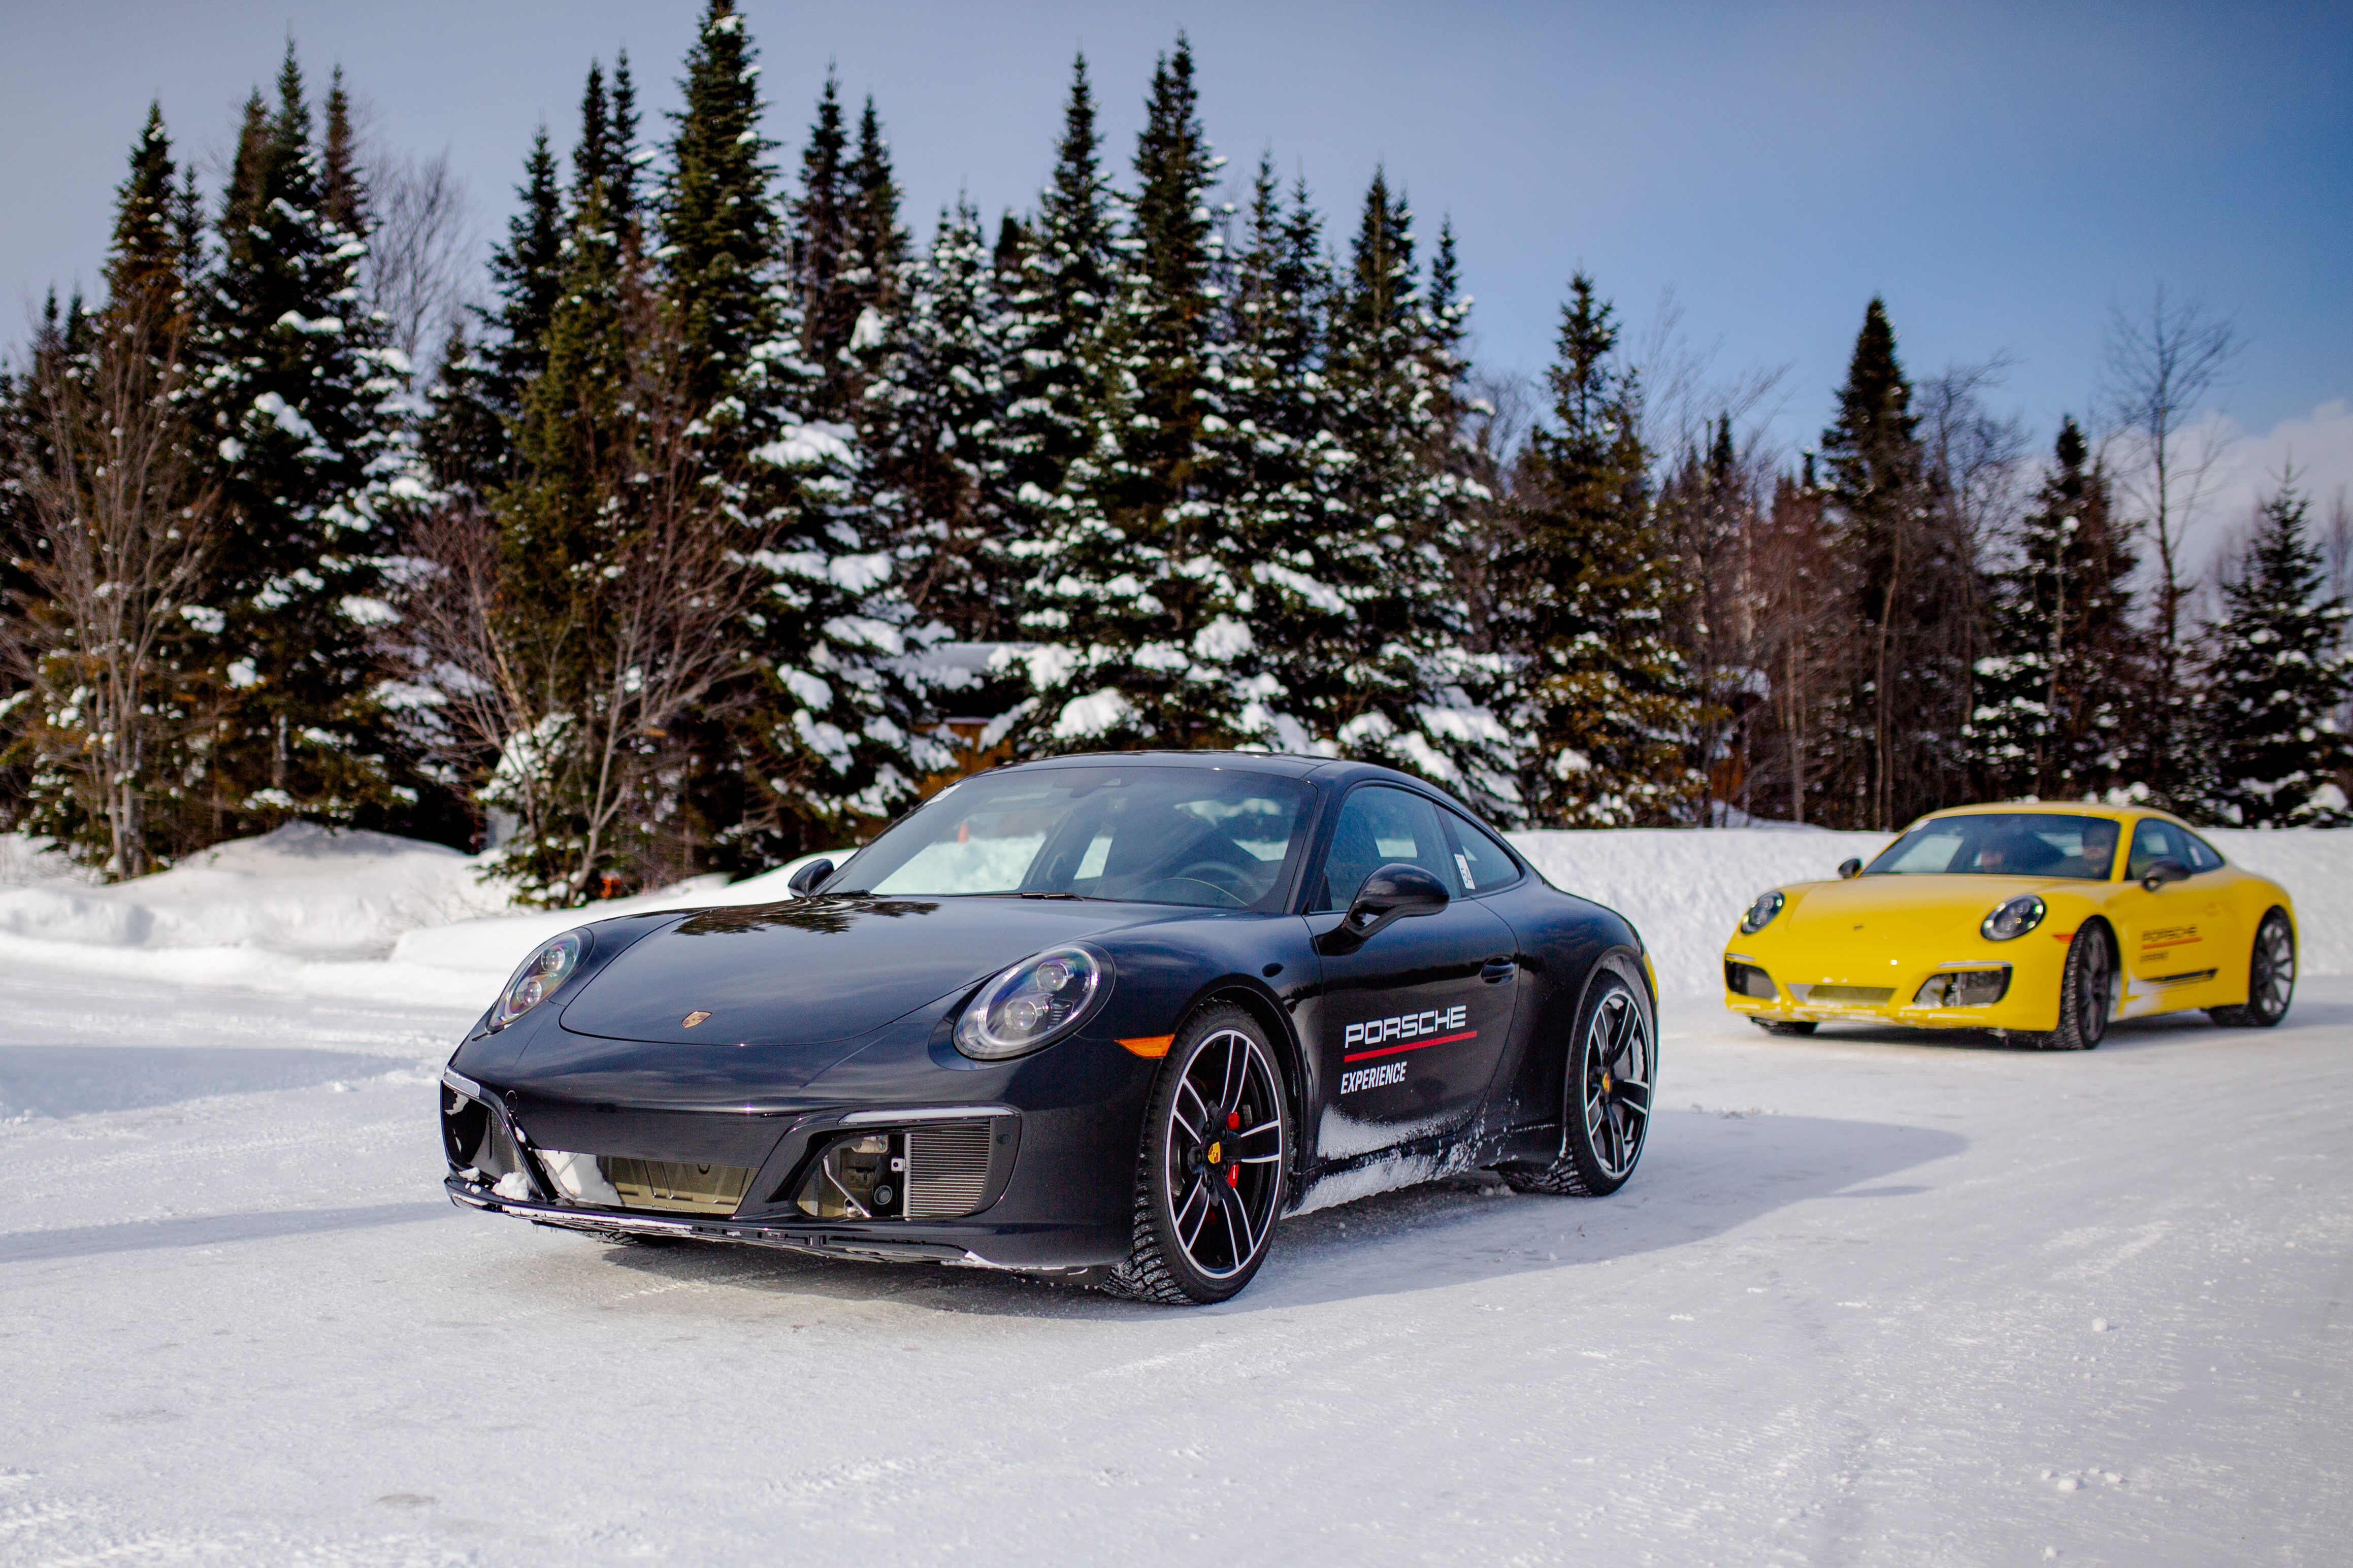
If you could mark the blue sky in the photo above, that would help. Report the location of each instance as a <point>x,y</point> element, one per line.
<point>1999,173</point>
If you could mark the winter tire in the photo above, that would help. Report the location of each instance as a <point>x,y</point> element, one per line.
<point>1785,1026</point>
<point>2087,993</point>
<point>2271,978</point>
<point>1612,1063</point>
<point>1211,1173</point>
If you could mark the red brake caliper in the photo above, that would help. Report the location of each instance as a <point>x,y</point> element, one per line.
<point>1233,1171</point>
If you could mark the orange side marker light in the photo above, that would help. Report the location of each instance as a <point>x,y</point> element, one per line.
<point>1150,1046</point>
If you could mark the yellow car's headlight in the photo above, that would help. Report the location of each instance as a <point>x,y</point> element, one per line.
<point>2013,919</point>
<point>1761,912</point>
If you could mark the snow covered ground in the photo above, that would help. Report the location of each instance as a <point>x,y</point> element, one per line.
<point>1869,1299</point>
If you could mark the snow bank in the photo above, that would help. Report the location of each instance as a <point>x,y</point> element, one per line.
<point>496,944</point>
<point>365,914</point>
<point>1684,887</point>
<point>304,908</point>
<point>304,890</point>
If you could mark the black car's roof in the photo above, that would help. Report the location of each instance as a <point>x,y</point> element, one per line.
<point>1323,769</point>
<point>1246,762</point>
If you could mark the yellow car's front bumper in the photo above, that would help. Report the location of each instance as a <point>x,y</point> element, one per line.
<point>1818,988</point>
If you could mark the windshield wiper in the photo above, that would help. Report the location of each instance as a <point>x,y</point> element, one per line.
<point>1026,894</point>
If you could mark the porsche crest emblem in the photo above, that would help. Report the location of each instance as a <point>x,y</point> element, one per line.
<point>691,1019</point>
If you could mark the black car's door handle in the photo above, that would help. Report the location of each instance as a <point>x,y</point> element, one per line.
<point>1496,970</point>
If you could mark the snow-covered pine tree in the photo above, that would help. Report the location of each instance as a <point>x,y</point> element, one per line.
<point>1060,280</point>
<point>467,436</point>
<point>877,249</point>
<point>934,475</point>
<point>1907,687</point>
<point>2053,693</point>
<point>820,258</point>
<point>1136,581</point>
<point>2274,678</point>
<point>302,406</point>
<point>1284,458</point>
<point>1407,690</point>
<point>627,158</point>
<point>1012,247</point>
<point>1605,703</point>
<point>821,740</point>
<point>719,226</point>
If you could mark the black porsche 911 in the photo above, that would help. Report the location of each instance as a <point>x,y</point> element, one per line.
<point>1111,1016</point>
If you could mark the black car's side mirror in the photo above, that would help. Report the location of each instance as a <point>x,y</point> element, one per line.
<point>2160,872</point>
<point>1392,893</point>
<point>803,881</point>
<point>1849,867</point>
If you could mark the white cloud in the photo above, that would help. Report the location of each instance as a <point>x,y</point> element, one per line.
<point>2320,447</point>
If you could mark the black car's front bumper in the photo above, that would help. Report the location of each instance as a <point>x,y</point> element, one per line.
<point>1054,1191</point>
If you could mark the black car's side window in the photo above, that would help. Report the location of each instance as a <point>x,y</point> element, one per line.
<point>1377,825</point>
<point>1481,864</point>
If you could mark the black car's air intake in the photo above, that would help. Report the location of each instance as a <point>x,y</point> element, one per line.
<point>947,1168</point>
<point>932,1170</point>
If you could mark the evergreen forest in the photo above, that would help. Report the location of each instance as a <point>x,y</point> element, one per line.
<point>740,507</point>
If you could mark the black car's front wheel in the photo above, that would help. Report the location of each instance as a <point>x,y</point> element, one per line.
<point>1211,1175</point>
<point>1612,1064</point>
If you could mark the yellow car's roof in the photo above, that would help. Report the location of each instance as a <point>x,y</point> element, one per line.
<point>2049,808</point>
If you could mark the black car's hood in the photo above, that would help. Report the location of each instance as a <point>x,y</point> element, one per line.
<point>814,970</point>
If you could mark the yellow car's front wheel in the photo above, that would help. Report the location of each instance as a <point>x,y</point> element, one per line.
<point>2087,993</point>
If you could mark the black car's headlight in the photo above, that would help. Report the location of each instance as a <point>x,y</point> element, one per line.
<point>1760,913</point>
<point>2013,919</point>
<point>541,973</point>
<point>1033,1003</point>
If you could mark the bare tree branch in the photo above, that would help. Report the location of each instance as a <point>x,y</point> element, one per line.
<point>2161,366</point>
<point>420,256</point>
<point>127,527</point>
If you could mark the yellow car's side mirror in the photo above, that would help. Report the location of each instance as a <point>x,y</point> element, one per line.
<point>1849,867</point>
<point>2160,872</point>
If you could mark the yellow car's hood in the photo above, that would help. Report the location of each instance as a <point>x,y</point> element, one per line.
<point>1901,910</point>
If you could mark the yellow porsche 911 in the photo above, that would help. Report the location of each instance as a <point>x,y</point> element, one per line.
<point>2040,922</point>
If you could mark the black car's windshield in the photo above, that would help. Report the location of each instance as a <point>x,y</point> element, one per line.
<point>2004,844</point>
<point>1218,837</point>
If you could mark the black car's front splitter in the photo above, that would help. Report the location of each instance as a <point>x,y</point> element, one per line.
<point>892,1242</point>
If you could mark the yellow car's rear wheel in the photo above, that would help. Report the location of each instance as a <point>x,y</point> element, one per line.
<point>2271,978</point>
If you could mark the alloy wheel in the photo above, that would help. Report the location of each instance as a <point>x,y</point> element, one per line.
<point>2096,995</point>
<point>1616,1069</point>
<point>1222,1153</point>
<point>2273,983</point>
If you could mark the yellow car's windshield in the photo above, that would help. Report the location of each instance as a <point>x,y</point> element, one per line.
<point>2004,844</point>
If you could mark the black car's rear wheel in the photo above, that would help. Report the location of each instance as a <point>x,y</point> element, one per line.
<point>1611,1065</point>
<point>1211,1175</point>
<point>2270,977</point>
